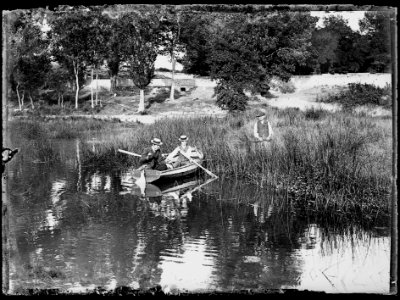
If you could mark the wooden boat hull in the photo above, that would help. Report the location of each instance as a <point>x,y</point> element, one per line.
<point>179,172</point>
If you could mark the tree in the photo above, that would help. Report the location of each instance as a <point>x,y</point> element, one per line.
<point>250,51</point>
<point>71,42</point>
<point>56,80</point>
<point>30,59</point>
<point>376,28</point>
<point>325,42</point>
<point>140,49</point>
<point>170,40</point>
<point>116,37</point>
<point>98,35</point>
<point>198,30</point>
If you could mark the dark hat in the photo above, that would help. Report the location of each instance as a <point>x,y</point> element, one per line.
<point>156,141</point>
<point>183,138</point>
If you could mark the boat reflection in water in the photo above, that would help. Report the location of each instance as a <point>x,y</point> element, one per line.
<point>168,199</point>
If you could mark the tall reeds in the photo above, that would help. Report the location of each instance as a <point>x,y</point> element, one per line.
<point>334,161</point>
<point>326,162</point>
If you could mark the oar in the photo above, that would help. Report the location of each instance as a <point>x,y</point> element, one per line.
<point>130,153</point>
<point>196,163</point>
<point>135,154</point>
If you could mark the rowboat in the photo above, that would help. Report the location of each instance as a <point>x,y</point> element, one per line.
<point>179,172</point>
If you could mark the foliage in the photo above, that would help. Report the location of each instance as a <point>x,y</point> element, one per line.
<point>29,60</point>
<point>71,42</point>
<point>229,97</point>
<point>56,80</point>
<point>116,36</point>
<point>249,52</point>
<point>196,36</point>
<point>361,94</point>
<point>140,49</point>
<point>376,27</point>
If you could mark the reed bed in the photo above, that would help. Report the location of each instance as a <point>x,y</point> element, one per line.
<point>327,163</point>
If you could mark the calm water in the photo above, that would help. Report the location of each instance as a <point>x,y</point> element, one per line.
<point>76,228</point>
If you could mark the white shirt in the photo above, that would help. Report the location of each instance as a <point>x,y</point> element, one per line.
<point>189,151</point>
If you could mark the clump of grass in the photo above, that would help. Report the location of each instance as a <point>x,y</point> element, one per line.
<point>315,113</point>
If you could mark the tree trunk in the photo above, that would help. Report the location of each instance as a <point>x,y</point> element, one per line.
<point>78,160</point>
<point>59,100</point>
<point>113,84</point>
<point>30,97</point>
<point>97,87</point>
<point>62,100</point>
<point>22,99</point>
<point>19,98</point>
<point>91,90</point>
<point>77,84</point>
<point>171,96</point>
<point>141,101</point>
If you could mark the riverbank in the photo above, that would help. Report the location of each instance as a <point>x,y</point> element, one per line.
<point>331,164</point>
<point>304,94</point>
<point>327,160</point>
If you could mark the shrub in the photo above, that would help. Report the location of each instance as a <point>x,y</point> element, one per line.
<point>230,98</point>
<point>359,94</point>
<point>287,87</point>
<point>314,113</point>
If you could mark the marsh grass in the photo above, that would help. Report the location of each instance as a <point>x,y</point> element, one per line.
<point>326,162</point>
<point>37,139</point>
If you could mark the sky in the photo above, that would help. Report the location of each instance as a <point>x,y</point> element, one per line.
<point>352,16</point>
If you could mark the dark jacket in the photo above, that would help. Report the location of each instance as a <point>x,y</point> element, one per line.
<point>152,158</point>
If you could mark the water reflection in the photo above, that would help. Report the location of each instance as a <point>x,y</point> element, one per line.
<point>77,228</point>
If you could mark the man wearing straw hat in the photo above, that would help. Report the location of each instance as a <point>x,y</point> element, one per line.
<point>152,157</point>
<point>174,159</point>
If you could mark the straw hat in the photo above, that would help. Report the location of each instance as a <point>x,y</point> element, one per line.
<point>259,113</point>
<point>183,138</point>
<point>156,141</point>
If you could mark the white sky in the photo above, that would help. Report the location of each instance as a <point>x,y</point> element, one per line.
<point>352,16</point>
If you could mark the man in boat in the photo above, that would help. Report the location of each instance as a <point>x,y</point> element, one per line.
<point>262,128</point>
<point>176,159</point>
<point>152,157</point>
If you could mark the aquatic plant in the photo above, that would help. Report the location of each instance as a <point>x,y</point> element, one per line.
<point>336,161</point>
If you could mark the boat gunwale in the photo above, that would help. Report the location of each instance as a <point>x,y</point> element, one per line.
<point>178,171</point>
